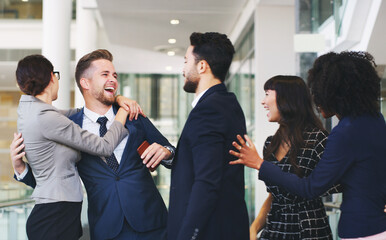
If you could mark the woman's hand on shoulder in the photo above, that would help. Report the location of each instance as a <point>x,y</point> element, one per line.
<point>247,154</point>
<point>129,105</point>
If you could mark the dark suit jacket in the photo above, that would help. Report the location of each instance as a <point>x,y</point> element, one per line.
<point>128,194</point>
<point>207,194</point>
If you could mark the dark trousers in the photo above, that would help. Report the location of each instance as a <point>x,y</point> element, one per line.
<point>59,220</point>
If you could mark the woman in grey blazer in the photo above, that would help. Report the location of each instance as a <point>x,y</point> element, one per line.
<point>52,146</point>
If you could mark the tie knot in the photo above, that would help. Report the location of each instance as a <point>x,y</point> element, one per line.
<point>102,120</point>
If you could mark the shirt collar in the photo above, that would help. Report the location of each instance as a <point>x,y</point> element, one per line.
<point>196,99</point>
<point>93,116</point>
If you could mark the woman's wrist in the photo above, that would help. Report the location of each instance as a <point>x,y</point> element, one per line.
<point>259,163</point>
<point>116,98</point>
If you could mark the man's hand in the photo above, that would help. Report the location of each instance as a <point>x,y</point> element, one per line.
<point>17,153</point>
<point>153,155</point>
<point>129,105</point>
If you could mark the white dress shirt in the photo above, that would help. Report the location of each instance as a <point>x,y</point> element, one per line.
<point>198,97</point>
<point>90,124</point>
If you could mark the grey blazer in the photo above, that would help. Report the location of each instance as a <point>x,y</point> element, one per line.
<point>52,146</point>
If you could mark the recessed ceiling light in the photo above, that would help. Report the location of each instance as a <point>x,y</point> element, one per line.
<point>172,40</point>
<point>169,68</point>
<point>24,0</point>
<point>174,21</point>
<point>171,53</point>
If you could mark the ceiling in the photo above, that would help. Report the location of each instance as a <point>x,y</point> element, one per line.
<point>146,24</point>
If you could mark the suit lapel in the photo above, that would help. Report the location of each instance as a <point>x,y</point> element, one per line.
<point>130,141</point>
<point>216,88</point>
<point>78,117</point>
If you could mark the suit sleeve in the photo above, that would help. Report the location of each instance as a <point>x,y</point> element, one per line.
<point>317,153</point>
<point>60,129</point>
<point>28,179</point>
<point>69,112</point>
<point>207,144</point>
<point>334,162</point>
<point>153,135</point>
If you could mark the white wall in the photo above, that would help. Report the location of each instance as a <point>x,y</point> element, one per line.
<point>26,34</point>
<point>131,60</point>
<point>377,38</point>
<point>274,52</point>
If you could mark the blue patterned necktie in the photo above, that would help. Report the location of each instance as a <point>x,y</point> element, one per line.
<point>112,160</point>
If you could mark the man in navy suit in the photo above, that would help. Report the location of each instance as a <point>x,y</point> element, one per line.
<point>206,193</point>
<point>123,203</point>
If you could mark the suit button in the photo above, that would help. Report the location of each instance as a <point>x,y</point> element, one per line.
<point>117,178</point>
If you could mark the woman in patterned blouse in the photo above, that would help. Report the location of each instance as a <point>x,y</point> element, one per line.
<point>296,147</point>
<point>345,85</point>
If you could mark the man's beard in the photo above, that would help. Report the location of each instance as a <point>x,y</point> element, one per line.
<point>191,82</point>
<point>103,99</point>
<point>190,86</point>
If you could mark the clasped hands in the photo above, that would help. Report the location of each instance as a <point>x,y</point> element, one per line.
<point>247,154</point>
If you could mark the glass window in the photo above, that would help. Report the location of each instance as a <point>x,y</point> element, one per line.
<point>382,70</point>
<point>18,9</point>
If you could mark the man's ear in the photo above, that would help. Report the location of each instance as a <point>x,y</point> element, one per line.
<point>84,83</point>
<point>202,66</point>
<point>52,78</point>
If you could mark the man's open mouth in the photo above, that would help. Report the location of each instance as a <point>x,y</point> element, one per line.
<point>110,89</point>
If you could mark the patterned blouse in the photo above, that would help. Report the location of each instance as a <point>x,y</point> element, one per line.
<point>293,217</point>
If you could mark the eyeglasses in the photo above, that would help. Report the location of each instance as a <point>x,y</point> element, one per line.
<point>57,74</point>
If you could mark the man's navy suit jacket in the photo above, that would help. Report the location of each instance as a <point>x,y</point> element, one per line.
<point>207,194</point>
<point>128,194</point>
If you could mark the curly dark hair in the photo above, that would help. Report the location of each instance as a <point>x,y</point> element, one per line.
<point>216,49</point>
<point>297,115</point>
<point>85,62</point>
<point>345,84</point>
<point>33,74</point>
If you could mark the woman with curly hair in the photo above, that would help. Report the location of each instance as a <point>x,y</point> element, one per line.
<point>296,147</point>
<point>346,85</point>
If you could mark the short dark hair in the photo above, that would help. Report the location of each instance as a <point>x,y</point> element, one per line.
<point>85,62</point>
<point>33,74</point>
<point>297,115</point>
<point>216,49</point>
<point>345,84</point>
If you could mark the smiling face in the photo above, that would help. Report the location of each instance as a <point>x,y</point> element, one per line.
<point>103,81</point>
<point>269,103</point>
<point>192,77</point>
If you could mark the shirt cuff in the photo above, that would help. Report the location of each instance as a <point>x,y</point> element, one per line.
<point>20,176</point>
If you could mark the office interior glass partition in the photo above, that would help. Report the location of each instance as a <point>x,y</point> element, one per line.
<point>12,220</point>
<point>313,15</point>
<point>25,9</point>
<point>382,101</point>
<point>325,11</point>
